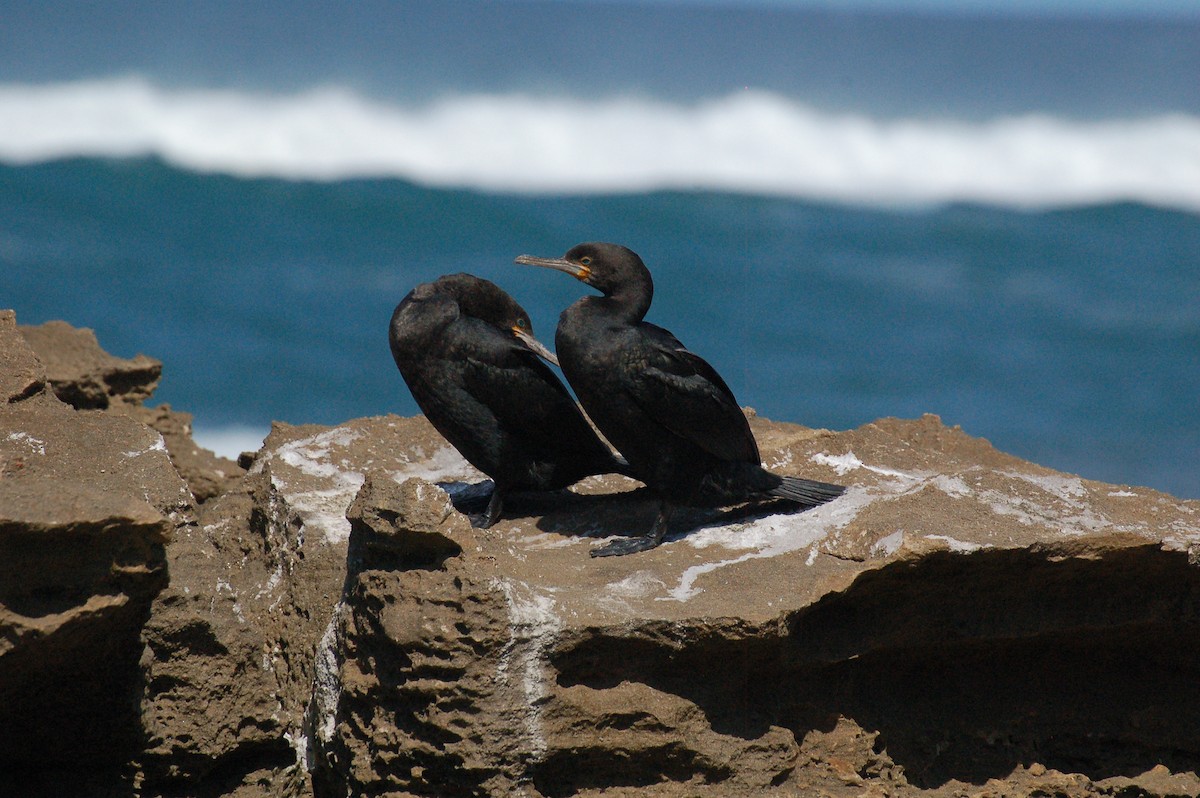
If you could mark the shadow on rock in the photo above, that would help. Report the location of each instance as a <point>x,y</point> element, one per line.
<point>966,666</point>
<point>632,513</point>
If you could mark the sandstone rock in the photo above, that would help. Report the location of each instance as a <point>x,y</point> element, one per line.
<point>22,374</point>
<point>84,375</point>
<point>958,615</point>
<point>212,706</point>
<point>87,503</point>
<point>207,474</point>
<point>234,641</point>
<point>960,623</point>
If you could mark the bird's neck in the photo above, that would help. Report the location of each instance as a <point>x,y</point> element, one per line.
<point>630,301</point>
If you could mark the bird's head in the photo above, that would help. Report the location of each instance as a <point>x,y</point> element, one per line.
<point>486,301</point>
<point>612,269</point>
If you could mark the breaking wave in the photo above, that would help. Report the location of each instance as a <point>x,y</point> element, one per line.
<point>749,142</point>
<point>229,441</point>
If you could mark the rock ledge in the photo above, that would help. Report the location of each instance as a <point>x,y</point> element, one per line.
<point>960,623</point>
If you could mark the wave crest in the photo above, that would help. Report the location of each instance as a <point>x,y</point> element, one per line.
<point>752,142</point>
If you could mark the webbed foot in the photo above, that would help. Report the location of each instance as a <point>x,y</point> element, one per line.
<point>491,515</point>
<point>650,540</point>
<point>623,546</point>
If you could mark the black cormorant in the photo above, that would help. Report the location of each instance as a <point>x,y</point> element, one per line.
<point>467,352</point>
<point>664,408</point>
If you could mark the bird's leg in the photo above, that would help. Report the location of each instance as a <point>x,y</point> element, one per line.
<point>492,514</point>
<point>648,541</point>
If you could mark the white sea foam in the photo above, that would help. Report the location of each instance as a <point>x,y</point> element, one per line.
<point>747,142</point>
<point>230,441</point>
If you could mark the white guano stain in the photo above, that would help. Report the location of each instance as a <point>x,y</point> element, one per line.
<point>444,465</point>
<point>272,581</point>
<point>1072,515</point>
<point>533,625</point>
<point>888,545</point>
<point>766,537</point>
<point>36,445</point>
<point>323,508</point>
<point>159,445</point>
<point>1069,489</point>
<point>327,686</point>
<point>791,531</point>
<point>299,744</point>
<point>329,483</point>
<point>958,546</point>
<point>223,586</point>
<point>954,487</point>
<point>617,595</point>
<point>787,532</point>
<point>845,463</point>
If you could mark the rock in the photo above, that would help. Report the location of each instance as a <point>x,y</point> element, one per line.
<point>212,705</point>
<point>1159,780</point>
<point>22,374</point>
<point>394,523</point>
<point>427,645</point>
<point>957,615</point>
<point>87,503</point>
<point>960,623</point>
<point>235,642</point>
<point>207,474</point>
<point>84,375</point>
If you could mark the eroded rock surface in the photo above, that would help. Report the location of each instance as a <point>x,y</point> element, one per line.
<point>235,640</point>
<point>86,377</point>
<point>959,623</point>
<point>960,616</point>
<point>22,374</point>
<point>88,502</point>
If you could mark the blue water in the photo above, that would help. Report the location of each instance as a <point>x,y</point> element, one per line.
<point>850,215</point>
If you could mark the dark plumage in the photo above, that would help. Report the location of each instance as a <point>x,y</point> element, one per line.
<point>664,408</point>
<point>467,352</point>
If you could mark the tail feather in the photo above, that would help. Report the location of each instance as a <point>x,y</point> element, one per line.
<point>806,492</point>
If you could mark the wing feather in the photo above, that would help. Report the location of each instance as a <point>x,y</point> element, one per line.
<point>682,392</point>
<point>526,397</point>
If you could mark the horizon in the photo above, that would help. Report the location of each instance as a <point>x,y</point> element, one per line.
<point>1012,8</point>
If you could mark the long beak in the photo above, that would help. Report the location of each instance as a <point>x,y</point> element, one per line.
<point>576,270</point>
<point>535,345</point>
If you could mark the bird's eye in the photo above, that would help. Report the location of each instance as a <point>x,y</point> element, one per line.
<point>585,260</point>
<point>522,323</point>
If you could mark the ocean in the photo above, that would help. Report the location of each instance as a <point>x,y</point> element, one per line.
<point>850,214</point>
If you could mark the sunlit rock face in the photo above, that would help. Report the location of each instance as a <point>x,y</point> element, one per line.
<point>88,504</point>
<point>958,616</point>
<point>327,622</point>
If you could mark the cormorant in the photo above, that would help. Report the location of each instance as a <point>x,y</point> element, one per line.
<point>467,352</point>
<point>664,408</point>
